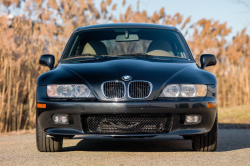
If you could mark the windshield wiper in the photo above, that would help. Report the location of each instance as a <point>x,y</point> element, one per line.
<point>82,55</point>
<point>135,54</point>
<point>88,54</point>
<point>170,58</point>
<point>141,54</point>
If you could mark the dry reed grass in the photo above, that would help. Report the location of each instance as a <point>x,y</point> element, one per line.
<point>43,26</point>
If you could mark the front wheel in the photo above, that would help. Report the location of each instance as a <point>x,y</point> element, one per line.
<point>47,144</point>
<point>206,142</point>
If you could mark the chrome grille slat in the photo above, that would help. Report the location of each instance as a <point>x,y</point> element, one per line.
<point>113,89</point>
<point>139,89</point>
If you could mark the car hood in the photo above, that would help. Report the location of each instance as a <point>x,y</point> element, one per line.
<point>158,72</point>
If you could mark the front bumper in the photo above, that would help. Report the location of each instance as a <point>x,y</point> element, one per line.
<point>175,109</point>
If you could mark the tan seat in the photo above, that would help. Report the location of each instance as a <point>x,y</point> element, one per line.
<point>95,47</point>
<point>160,48</point>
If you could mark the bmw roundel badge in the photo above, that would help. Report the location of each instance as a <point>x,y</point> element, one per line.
<point>126,78</point>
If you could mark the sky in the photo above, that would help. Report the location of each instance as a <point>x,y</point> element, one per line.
<point>237,15</point>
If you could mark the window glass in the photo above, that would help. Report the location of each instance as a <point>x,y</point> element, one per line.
<point>118,42</point>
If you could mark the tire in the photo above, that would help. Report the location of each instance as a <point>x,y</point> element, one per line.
<point>187,137</point>
<point>206,142</point>
<point>68,137</point>
<point>47,144</point>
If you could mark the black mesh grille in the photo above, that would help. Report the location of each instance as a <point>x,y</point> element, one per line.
<point>113,89</point>
<point>139,89</point>
<point>120,124</point>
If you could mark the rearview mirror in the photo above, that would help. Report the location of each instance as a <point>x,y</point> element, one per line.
<point>47,60</point>
<point>207,60</point>
<point>124,38</point>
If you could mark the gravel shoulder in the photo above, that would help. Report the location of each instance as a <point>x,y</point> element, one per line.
<point>233,149</point>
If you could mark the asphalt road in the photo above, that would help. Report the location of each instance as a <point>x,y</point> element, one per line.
<point>233,149</point>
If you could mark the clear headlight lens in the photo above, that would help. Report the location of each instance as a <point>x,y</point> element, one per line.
<point>188,90</point>
<point>171,91</point>
<point>69,91</point>
<point>184,90</point>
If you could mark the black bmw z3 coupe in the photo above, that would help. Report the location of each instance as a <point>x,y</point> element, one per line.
<point>127,80</point>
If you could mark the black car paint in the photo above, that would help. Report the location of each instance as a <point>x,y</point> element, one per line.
<point>94,71</point>
<point>159,72</point>
<point>175,108</point>
<point>47,60</point>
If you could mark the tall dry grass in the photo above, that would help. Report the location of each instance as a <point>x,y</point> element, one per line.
<point>43,26</point>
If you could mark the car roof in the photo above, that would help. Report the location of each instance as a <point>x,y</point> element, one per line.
<point>127,25</point>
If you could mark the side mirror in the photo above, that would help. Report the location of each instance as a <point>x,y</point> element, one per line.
<point>207,60</point>
<point>47,60</point>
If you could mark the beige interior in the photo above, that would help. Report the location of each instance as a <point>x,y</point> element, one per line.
<point>95,47</point>
<point>160,48</point>
<point>88,49</point>
<point>160,53</point>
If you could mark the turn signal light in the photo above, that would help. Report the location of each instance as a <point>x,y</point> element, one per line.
<point>211,105</point>
<point>39,105</point>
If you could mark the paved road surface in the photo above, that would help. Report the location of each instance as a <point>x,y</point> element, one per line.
<point>233,149</point>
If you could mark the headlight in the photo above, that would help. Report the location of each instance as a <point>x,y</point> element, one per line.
<point>69,91</point>
<point>184,90</point>
<point>171,91</point>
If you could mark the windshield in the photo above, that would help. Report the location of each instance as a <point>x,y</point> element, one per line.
<point>127,42</point>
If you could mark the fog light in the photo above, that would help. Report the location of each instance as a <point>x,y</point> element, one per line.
<point>192,119</point>
<point>60,119</point>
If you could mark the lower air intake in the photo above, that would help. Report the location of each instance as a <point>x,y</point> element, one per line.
<point>126,124</point>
